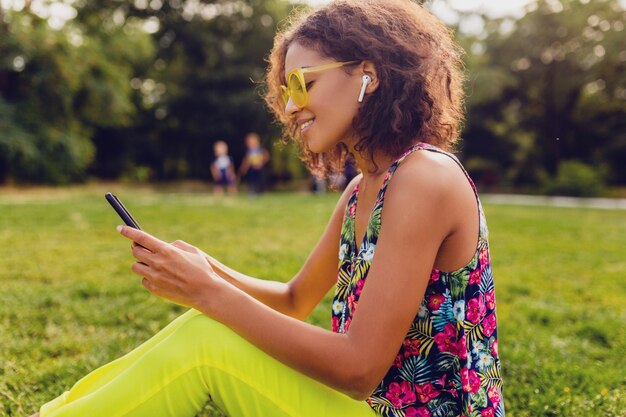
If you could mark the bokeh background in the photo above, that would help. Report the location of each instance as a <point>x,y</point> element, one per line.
<point>140,90</point>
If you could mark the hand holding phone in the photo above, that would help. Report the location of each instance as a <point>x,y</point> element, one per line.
<point>122,211</point>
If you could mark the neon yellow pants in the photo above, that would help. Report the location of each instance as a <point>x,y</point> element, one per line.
<point>194,358</point>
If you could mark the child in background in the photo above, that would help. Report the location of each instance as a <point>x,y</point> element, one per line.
<point>253,162</point>
<point>222,170</point>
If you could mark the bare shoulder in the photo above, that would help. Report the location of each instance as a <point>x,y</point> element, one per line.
<point>430,190</point>
<point>429,177</point>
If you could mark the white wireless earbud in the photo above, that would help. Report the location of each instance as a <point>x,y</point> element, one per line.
<point>366,80</point>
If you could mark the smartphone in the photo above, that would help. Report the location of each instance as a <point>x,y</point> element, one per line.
<point>122,211</point>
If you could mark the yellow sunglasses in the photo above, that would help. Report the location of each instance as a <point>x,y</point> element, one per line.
<point>296,86</point>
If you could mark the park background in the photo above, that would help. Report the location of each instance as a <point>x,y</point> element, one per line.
<point>129,96</point>
<point>139,90</point>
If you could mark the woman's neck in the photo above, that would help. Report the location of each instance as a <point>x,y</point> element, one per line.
<point>372,168</point>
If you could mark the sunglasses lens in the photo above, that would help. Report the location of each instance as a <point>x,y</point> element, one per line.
<point>298,90</point>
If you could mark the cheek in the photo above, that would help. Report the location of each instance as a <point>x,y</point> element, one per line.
<point>345,92</point>
<point>340,101</point>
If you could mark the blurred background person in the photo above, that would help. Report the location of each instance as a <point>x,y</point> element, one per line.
<point>223,170</point>
<point>339,180</point>
<point>253,162</point>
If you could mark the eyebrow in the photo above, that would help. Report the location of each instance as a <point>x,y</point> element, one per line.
<point>302,67</point>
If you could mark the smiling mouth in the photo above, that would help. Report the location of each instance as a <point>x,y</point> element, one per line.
<point>305,125</point>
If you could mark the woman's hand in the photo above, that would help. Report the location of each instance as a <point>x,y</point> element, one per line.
<point>178,272</point>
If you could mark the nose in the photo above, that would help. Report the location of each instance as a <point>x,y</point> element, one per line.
<point>291,108</point>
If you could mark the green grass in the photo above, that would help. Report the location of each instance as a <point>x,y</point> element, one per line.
<point>69,303</point>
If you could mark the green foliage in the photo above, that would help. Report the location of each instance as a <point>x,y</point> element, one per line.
<point>69,303</point>
<point>576,179</point>
<point>57,87</point>
<point>41,154</point>
<point>202,86</point>
<point>546,88</point>
<point>155,84</point>
<point>16,144</point>
<point>285,162</point>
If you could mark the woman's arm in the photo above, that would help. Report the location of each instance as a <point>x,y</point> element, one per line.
<point>298,297</point>
<point>356,362</point>
<point>415,224</point>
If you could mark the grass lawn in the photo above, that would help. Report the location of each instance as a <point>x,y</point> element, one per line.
<point>69,303</point>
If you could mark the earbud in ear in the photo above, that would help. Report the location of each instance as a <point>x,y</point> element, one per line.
<point>366,80</point>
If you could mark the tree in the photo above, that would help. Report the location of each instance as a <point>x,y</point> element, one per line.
<point>202,86</point>
<point>56,87</point>
<point>546,89</point>
<point>143,86</point>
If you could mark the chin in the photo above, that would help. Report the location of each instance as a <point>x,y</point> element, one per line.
<point>321,145</point>
<point>321,149</point>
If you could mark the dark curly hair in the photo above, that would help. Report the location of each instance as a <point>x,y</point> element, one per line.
<point>419,70</point>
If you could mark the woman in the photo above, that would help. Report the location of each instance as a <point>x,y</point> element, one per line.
<point>413,319</point>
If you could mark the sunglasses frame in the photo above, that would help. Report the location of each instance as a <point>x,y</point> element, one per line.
<point>286,92</point>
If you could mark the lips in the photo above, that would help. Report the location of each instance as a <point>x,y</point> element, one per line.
<point>304,126</point>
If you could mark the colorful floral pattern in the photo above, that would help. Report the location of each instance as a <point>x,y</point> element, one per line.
<point>448,365</point>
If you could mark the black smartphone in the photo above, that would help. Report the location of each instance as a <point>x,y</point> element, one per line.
<point>122,211</point>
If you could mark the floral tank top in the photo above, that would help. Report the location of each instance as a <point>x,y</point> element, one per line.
<point>448,364</point>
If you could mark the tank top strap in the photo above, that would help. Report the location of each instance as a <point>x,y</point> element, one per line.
<point>396,164</point>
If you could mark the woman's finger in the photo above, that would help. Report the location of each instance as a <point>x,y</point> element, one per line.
<point>152,288</point>
<point>141,269</point>
<point>156,282</point>
<point>143,255</point>
<point>147,284</point>
<point>142,238</point>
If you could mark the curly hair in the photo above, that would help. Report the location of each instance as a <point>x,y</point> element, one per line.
<point>418,65</point>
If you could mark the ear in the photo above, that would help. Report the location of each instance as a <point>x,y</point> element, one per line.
<point>368,68</point>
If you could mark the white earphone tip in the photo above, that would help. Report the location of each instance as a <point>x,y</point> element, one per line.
<point>366,80</point>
